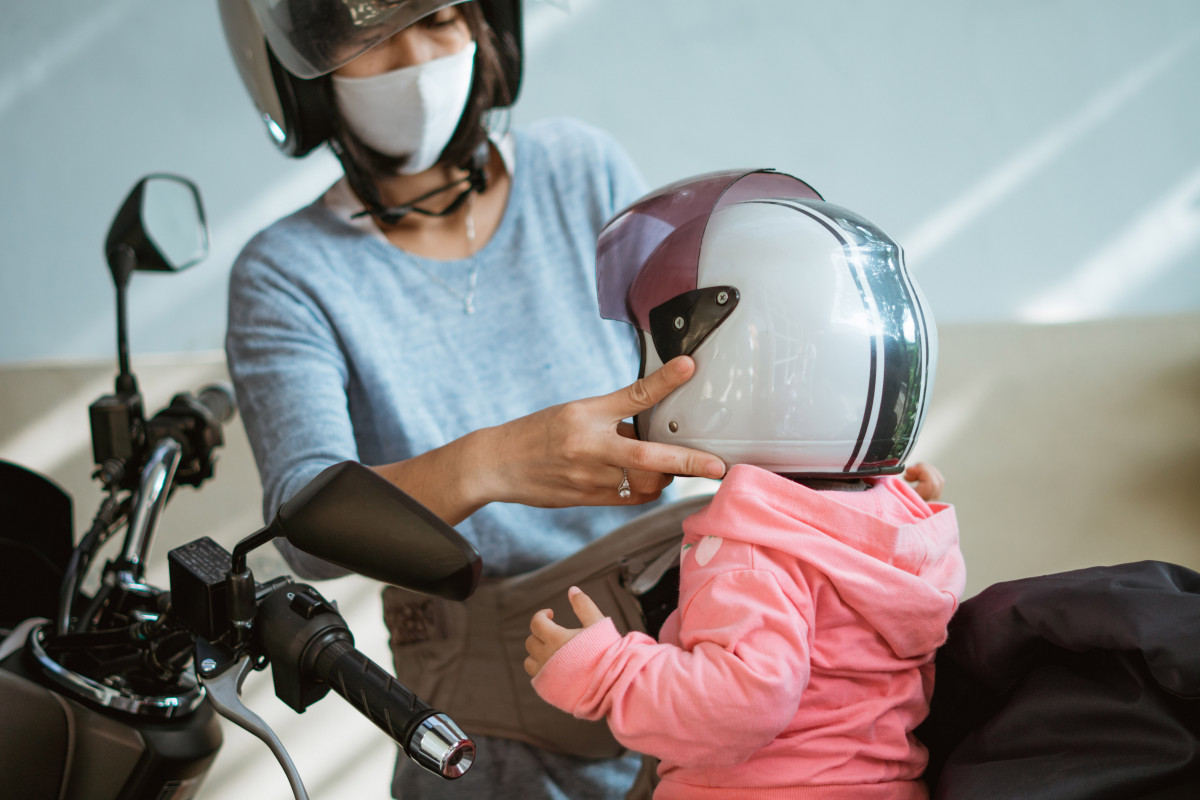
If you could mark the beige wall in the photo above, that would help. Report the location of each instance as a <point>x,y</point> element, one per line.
<point>1068,446</point>
<point>1063,446</point>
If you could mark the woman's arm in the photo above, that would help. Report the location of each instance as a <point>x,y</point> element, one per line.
<point>566,455</point>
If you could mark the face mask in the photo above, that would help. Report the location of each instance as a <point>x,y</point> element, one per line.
<point>412,111</point>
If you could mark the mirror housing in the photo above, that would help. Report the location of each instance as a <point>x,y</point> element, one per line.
<point>160,227</point>
<point>351,516</point>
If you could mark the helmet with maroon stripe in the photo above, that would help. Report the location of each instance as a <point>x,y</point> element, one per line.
<point>815,349</point>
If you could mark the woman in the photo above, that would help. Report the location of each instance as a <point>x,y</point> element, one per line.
<point>430,314</point>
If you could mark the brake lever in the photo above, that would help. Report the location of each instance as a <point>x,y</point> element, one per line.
<point>223,683</point>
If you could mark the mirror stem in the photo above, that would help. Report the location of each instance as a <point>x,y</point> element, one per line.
<point>123,262</point>
<point>242,606</point>
<point>243,548</point>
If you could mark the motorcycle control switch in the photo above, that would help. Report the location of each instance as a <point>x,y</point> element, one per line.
<point>309,604</point>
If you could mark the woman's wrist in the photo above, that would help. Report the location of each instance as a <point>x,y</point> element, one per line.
<point>453,481</point>
<point>475,470</point>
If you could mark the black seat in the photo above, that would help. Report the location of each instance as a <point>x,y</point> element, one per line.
<point>1082,684</point>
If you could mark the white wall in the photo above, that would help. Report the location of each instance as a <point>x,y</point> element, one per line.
<point>1039,159</point>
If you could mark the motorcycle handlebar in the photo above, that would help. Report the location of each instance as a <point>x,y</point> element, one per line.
<point>311,650</point>
<point>196,422</point>
<point>217,399</point>
<point>184,435</point>
<point>429,737</point>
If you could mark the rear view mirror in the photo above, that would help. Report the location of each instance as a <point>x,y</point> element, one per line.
<point>160,227</point>
<point>353,517</point>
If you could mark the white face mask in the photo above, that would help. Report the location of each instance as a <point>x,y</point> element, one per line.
<point>412,111</point>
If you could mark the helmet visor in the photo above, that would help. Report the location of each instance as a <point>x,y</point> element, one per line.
<point>314,37</point>
<point>650,252</point>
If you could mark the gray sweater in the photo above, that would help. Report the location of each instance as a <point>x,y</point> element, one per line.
<point>342,346</point>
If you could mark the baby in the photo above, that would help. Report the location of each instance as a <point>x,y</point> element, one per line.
<point>817,584</point>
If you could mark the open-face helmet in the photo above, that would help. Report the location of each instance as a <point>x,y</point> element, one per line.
<point>815,349</point>
<point>283,48</point>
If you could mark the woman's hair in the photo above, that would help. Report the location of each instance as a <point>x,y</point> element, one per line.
<point>489,89</point>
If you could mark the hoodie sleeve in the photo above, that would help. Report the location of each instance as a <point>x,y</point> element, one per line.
<point>733,684</point>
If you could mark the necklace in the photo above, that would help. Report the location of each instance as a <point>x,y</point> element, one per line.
<point>467,298</point>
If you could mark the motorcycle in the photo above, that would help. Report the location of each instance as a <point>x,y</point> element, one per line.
<point>115,692</point>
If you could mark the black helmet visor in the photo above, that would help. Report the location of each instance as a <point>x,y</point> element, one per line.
<point>314,37</point>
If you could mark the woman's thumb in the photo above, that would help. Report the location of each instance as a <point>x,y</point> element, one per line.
<point>587,611</point>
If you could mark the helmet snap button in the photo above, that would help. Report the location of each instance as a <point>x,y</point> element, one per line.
<point>673,426</point>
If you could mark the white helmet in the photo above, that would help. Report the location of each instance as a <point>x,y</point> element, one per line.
<point>815,350</point>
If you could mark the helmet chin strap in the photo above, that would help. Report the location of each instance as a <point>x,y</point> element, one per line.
<point>476,180</point>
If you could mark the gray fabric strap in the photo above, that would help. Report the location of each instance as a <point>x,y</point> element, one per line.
<point>466,658</point>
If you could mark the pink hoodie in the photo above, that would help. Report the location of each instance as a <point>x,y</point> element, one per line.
<point>801,656</point>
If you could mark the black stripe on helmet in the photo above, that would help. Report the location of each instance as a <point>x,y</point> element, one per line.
<point>902,394</point>
<point>869,411</point>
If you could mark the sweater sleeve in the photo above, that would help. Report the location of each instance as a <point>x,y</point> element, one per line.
<point>290,381</point>
<point>731,687</point>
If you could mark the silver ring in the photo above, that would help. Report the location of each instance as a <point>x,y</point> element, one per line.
<point>623,491</point>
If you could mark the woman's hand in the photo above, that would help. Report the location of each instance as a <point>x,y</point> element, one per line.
<point>577,453</point>
<point>929,482</point>
<point>574,454</point>
<point>547,637</point>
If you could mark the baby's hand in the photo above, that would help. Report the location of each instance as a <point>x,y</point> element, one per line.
<point>929,481</point>
<point>547,637</point>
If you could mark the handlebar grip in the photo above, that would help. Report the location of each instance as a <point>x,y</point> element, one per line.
<point>429,737</point>
<point>217,400</point>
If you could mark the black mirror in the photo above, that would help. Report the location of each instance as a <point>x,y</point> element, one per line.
<point>160,227</point>
<point>357,519</point>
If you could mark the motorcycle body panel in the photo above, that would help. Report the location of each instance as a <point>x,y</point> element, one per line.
<point>55,746</point>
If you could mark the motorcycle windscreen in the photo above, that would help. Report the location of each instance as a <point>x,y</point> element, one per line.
<point>35,543</point>
<point>648,253</point>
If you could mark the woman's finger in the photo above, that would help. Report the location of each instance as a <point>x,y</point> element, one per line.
<point>652,457</point>
<point>651,390</point>
<point>647,485</point>
<point>670,459</point>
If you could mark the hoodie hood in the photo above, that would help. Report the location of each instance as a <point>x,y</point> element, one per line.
<point>892,558</point>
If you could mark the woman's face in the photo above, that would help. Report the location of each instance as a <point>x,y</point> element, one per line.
<point>442,33</point>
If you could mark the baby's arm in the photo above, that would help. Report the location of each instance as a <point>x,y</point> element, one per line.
<point>729,693</point>
<point>547,637</point>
